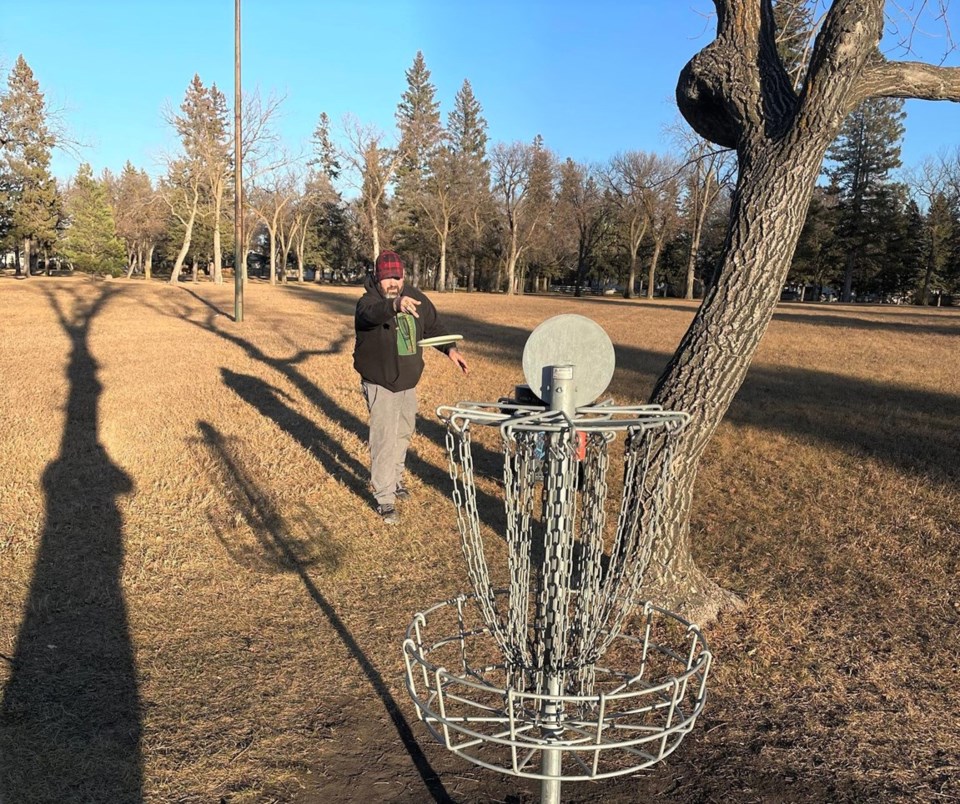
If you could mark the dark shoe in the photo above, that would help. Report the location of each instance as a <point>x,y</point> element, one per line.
<point>402,492</point>
<point>388,514</point>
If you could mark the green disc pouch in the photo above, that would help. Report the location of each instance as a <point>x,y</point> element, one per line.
<point>406,334</point>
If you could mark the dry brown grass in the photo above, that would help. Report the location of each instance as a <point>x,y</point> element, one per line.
<point>199,604</point>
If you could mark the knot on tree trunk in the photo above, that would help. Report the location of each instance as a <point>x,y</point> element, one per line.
<point>704,96</point>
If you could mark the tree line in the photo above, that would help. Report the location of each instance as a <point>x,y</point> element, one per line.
<point>465,212</point>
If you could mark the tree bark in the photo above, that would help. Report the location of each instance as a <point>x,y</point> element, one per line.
<point>273,256</point>
<point>374,229</point>
<point>628,291</point>
<point>696,235</point>
<point>442,270</point>
<point>187,236</point>
<point>654,261</point>
<point>217,216</point>
<point>25,260</point>
<point>736,93</point>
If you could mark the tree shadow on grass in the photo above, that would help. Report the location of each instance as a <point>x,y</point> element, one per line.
<point>268,400</point>
<point>261,515</point>
<point>203,301</point>
<point>878,320</point>
<point>70,718</point>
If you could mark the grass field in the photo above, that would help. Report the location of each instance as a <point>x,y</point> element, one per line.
<point>200,605</point>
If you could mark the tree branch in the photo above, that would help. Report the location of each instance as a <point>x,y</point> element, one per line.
<point>737,84</point>
<point>910,79</point>
<point>850,33</point>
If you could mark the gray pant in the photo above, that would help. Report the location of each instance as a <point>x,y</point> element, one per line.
<point>393,417</point>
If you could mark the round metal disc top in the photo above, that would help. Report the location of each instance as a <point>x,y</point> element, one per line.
<point>569,340</point>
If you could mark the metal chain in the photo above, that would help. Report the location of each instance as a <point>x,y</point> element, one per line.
<point>468,521</point>
<point>587,623</point>
<point>564,610</point>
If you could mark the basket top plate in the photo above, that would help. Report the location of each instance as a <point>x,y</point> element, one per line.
<point>569,340</point>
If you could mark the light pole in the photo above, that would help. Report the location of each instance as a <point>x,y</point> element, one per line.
<point>239,270</point>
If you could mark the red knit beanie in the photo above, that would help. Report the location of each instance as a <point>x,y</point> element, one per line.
<point>389,266</point>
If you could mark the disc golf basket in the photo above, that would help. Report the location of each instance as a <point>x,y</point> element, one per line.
<point>553,667</point>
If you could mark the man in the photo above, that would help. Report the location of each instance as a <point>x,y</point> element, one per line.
<point>390,320</point>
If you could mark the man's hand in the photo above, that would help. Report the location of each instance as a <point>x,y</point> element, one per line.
<point>404,304</point>
<point>457,358</point>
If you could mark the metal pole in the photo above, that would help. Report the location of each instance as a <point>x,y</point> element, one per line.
<point>562,399</point>
<point>239,270</point>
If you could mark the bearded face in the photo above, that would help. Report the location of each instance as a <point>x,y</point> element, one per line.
<point>391,288</point>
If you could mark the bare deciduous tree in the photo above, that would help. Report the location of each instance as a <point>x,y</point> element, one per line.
<point>441,201</point>
<point>661,199</point>
<point>628,180</point>
<point>521,176</point>
<point>583,209</point>
<point>270,200</point>
<point>737,94</point>
<point>707,172</point>
<point>180,191</point>
<point>369,167</point>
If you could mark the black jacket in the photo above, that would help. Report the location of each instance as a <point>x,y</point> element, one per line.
<point>377,357</point>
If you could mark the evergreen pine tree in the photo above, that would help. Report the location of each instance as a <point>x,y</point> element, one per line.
<point>817,247</point>
<point>418,121</point>
<point>940,225</point>
<point>861,158</point>
<point>467,130</point>
<point>951,271</point>
<point>325,154</point>
<point>90,240</point>
<point>891,257</point>
<point>28,192</point>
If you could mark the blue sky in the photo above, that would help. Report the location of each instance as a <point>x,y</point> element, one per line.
<point>594,77</point>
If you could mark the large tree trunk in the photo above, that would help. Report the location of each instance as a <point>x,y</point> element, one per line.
<point>769,208</point>
<point>148,263</point>
<point>374,229</point>
<point>217,250</point>
<point>696,236</point>
<point>736,93</point>
<point>848,268</point>
<point>185,248</point>
<point>654,262</point>
<point>300,247</point>
<point>628,291</point>
<point>442,270</point>
<point>273,257</point>
<point>131,260</point>
<point>511,272</point>
<point>513,256</point>
<point>472,274</point>
<point>25,259</point>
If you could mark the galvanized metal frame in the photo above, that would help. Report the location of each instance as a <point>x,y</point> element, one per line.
<point>603,735</point>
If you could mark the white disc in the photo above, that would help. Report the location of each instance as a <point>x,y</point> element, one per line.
<point>569,340</point>
<point>439,340</point>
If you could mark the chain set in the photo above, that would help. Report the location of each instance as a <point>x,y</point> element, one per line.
<point>569,598</point>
